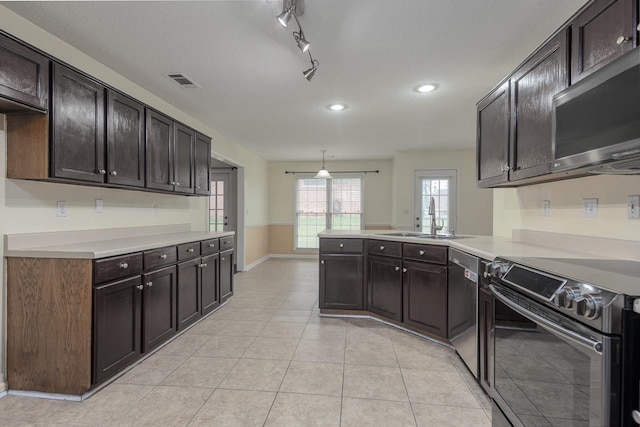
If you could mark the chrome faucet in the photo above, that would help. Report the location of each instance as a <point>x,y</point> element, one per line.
<point>432,212</point>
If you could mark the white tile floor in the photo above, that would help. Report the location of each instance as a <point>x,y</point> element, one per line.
<point>266,358</point>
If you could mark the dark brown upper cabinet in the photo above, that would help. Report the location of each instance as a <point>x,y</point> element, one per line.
<point>24,80</point>
<point>601,33</point>
<point>125,140</point>
<point>159,155</point>
<point>533,86</point>
<point>183,157</point>
<point>202,165</point>
<point>78,137</point>
<point>492,148</point>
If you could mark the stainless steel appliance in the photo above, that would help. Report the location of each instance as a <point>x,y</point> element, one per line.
<point>596,122</point>
<point>463,307</point>
<point>566,341</point>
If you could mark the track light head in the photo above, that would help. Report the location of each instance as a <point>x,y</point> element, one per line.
<point>285,17</point>
<point>303,43</point>
<point>308,74</point>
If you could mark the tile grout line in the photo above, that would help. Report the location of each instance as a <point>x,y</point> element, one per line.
<point>344,364</point>
<point>393,345</point>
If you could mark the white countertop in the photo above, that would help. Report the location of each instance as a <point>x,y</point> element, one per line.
<point>92,244</point>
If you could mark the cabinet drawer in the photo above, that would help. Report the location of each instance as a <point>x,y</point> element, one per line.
<point>341,245</point>
<point>209,246</point>
<point>226,243</point>
<point>107,269</point>
<point>158,257</point>
<point>385,248</point>
<point>188,250</point>
<point>436,254</point>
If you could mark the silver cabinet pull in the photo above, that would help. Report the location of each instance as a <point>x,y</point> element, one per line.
<point>421,252</point>
<point>102,172</point>
<point>397,268</point>
<point>222,259</point>
<point>177,184</point>
<point>622,39</point>
<point>205,264</point>
<point>404,270</point>
<point>140,287</point>
<point>635,414</point>
<point>342,245</point>
<point>197,187</point>
<point>163,256</point>
<point>382,248</point>
<point>212,245</point>
<point>114,173</point>
<point>190,250</point>
<point>149,284</point>
<point>173,183</point>
<point>124,265</point>
<point>322,262</point>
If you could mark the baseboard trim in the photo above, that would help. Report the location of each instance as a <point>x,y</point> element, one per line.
<point>256,263</point>
<point>298,256</point>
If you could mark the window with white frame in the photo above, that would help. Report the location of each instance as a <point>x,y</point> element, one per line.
<point>326,204</point>
<point>441,185</point>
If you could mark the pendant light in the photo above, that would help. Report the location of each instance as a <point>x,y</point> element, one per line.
<point>323,173</point>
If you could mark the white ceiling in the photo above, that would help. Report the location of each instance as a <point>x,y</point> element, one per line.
<point>372,54</point>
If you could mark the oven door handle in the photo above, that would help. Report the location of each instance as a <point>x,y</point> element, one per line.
<point>558,331</point>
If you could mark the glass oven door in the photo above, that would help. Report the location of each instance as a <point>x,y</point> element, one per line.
<point>549,369</point>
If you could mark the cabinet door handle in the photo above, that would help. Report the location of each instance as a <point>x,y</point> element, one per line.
<point>212,245</point>
<point>397,268</point>
<point>222,259</point>
<point>622,39</point>
<point>124,265</point>
<point>342,245</point>
<point>322,262</point>
<point>197,187</point>
<point>173,183</point>
<point>205,264</point>
<point>421,253</point>
<point>102,172</point>
<point>149,284</point>
<point>190,250</point>
<point>404,270</point>
<point>163,256</point>
<point>177,184</point>
<point>114,173</point>
<point>382,248</point>
<point>140,287</point>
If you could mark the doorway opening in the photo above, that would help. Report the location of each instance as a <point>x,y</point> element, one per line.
<point>223,203</point>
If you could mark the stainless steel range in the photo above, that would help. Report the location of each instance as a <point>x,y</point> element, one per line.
<point>567,342</point>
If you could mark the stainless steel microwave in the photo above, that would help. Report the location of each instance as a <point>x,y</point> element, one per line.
<point>596,122</point>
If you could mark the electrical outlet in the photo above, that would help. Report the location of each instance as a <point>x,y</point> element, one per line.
<point>62,208</point>
<point>633,207</point>
<point>546,208</point>
<point>156,210</point>
<point>99,206</point>
<point>590,208</point>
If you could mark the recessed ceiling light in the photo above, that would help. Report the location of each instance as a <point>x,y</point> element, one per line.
<point>337,107</point>
<point>430,87</point>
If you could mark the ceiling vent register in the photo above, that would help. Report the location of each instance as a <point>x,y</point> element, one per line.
<point>182,80</point>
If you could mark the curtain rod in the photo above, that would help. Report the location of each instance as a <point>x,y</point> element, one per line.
<point>364,172</point>
<point>226,168</point>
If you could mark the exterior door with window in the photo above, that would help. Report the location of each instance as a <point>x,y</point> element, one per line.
<point>219,202</point>
<point>442,186</point>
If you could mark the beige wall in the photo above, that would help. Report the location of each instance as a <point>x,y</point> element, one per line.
<point>257,243</point>
<point>31,206</point>
<point>474,205</point>
<point>281,239</point>
<point>522,207</point>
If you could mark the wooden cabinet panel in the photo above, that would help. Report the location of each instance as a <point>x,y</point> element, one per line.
<point>384,247</point>
<point>107,269</point>
<point>486,330</point>
<point>159,257</point>
<point>159,307</point>
<point>341,245</point>
<point>226,243</point>
<point>125,140</point>
<point>209,246</point>
<point>183,158</point>
<point>209,283</point>
<point>226,275</point>
<point>341,281</point>
<point>600,34</point>
<point>426,253</point>
<point>203,165</point>
<point>159,151</point>
<point>117,330</point>
<point>385,286</point>
<point>532,89</point>
<point>188,250</point>
<point>425,297</point>
<point>78,138</point>
<point>188,297</point>
<point>24,77</point>
<point>492,147</point>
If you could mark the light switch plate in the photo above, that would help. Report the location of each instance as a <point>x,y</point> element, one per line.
<point>546,208</point>
<point>590,208</point>
<point>99,206</point>
<point>62,208</point>
<point>633,207</point>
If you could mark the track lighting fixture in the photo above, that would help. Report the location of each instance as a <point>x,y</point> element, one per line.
<point>323,173</point>
<point>295,7</point>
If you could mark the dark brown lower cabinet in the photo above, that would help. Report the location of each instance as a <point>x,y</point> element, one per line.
<point>159,307</point>
<point>117,319</point>
<point>486,330</point>
<point>189,296</point>
<point>341,282</point>
<point>385,286</point>
<point>425,297</point>
<point>210,283</point>
<point>226,275</point>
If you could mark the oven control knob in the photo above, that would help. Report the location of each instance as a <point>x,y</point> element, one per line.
<point>496,269</point>
<point>566,296</point>
<point>589,306</point>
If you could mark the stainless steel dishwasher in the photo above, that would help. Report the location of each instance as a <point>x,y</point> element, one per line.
<point>463,307</point>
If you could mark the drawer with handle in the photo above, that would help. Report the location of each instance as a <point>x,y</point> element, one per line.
<point>107,269</point>
<point>428,253</point>
<point>209,246</point>
<point>226,243</point>
<point>188,250</point>
<point>341,245</point>
<point>158,257</point>
<point>385,248</point>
